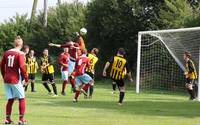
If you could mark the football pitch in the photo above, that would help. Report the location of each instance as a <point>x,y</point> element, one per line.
<point>138,109</point>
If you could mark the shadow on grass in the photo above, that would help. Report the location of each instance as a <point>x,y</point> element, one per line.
<point>149,108</point>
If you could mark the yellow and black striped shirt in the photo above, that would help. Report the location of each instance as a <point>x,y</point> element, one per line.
<point>47,60</point>
<point>119,67</point>
<point>32,65</point>
<point>93,60</point>
<point>190,68</point>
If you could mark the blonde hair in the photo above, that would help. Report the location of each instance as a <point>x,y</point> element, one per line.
<point>18,41</point>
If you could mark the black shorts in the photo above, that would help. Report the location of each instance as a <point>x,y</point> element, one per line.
<point>120,83</point>
<point>48,77</point>
<point>90,74</point>
<point>31,76</point>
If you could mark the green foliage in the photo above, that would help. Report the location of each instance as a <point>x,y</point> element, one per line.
<point>113,24</point>
<point>179,13</point>
<point>11,28</point>
<point>63,20</point>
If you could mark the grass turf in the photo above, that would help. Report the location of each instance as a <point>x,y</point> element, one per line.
<point>138,109</point>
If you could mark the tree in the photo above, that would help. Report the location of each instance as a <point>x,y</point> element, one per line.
<point>17,25</point>
<point>113,24</point>
<point>34,7</point>
<point>179,13</point>
<point>59,2</point>
<point>150,15</point>
<point>45,12</point>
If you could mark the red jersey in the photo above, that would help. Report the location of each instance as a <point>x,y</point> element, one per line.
<point>12,66</point>
<point>64,60</point>
<point>82,63</point>
<point>74,49</point>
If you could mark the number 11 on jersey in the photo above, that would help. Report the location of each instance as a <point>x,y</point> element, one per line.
<point>11,60</point>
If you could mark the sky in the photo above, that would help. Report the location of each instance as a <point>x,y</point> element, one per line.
<point>9,8</point>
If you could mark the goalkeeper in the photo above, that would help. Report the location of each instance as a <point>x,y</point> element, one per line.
<point>190,75</point>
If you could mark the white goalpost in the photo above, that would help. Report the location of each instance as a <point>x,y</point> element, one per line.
<point>160,63</point>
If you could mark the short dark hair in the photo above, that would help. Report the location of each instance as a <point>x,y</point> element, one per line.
<point>95,50</point>
<point>121,51</point>
<point>188,54</point>
<point>25,47</point>
<point>68,39</point>
<point>45,49</point>
<point>84,51</point>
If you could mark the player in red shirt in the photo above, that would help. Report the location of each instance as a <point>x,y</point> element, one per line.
<point>63,61</point>
<point>75,52</point>
<point>82,79</point>
<point>12,66</point>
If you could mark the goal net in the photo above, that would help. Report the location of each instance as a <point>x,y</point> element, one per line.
<point>160,63</point>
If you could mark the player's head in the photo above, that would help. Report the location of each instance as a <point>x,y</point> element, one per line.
<point>84,51</point>
<point>69,41</point>
<point>95,51</point>
<point>121,51</point>
<point>32,52</point>
<point>186,56</point>
<point>26,49</point>
<point>18,42</point>
<point>66,50</point>
<point>45,52</point>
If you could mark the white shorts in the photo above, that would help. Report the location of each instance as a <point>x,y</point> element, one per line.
<point>14,91</point>
<point>64,75</point>
<point>83,79</point>
<point>71,66</point>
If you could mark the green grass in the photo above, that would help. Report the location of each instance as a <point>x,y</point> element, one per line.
<point>138,109</point>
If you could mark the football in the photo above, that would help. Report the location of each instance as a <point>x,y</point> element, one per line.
<point>83,31</point>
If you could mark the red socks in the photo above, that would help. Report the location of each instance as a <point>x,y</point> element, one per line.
<point>21,109</point>
<point>77,94</point>
<point>86,87</point>
<point>9,109</point>
<point>64,85</point>
<point>72,81</point>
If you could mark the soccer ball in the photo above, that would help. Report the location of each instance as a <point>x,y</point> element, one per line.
<point>83,31</point>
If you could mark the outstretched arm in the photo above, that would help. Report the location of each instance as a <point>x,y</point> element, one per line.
<point>55,45</point>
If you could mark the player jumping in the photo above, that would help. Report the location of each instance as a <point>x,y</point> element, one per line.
<point>119,64</point>
<point>12,67</point>
<point>83,80</point>
<point>74,51</point>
